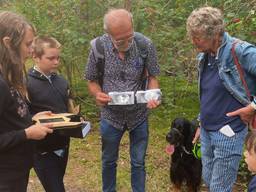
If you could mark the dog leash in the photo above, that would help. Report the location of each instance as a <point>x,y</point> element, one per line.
<point>196,151</point>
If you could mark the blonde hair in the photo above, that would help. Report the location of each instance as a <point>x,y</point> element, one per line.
<point>205,21</point>
<point>12,68</point>
<point>42,42</point>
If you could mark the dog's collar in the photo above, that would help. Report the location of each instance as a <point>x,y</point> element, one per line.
<point>196,152</point>
<point>182,146</point>
<point>185,150</point>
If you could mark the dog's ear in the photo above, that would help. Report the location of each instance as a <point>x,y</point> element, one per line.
<point>173,124</point>
<point>187,128</point>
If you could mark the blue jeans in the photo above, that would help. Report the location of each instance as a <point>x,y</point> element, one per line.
<point>111,137</point>
<point>220,158</point>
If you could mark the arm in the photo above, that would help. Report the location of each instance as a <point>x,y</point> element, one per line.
<point>11,139</point>
<point>246,54</point>
<point>153,70</point>
<point>153,84</point>
<point>197,135</point>
<point>100,97</point>
<point>245,113</point>
<point>9,136</point>
<point>92,76</point>
<point>14,138</point>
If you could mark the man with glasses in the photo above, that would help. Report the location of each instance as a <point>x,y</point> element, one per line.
<point>124,67</point>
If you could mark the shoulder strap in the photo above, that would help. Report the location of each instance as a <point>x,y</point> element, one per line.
<point>143,51</point>
<point>239,68</point>
<point>97,47</point>
<point>142,44</point>
<point>98,50</point>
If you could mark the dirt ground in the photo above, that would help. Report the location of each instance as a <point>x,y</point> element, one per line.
<point>83,172</point>
<point>35,186</point>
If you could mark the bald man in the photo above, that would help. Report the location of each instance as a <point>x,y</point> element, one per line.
<point>127,57</point>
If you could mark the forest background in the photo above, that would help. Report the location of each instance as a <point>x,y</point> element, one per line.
<point>75,22</point>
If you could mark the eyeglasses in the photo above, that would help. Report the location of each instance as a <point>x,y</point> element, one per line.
<point>122,41</point>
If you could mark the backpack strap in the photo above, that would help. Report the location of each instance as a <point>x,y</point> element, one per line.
<point>142,44</point>
<point>143,51</point>
<point>97,47</point>
<point>98,50</point>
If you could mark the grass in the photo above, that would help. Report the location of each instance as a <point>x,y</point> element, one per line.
<point>84,167</point>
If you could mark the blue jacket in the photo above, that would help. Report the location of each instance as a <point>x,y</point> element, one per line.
<point>228,72</point>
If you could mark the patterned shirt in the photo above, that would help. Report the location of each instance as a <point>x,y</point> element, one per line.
<point>123,75</point>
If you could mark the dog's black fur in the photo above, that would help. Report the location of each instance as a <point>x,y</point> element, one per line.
<point>184,166</point>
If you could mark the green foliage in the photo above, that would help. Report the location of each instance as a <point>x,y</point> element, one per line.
<point>164,22</point>
<point>75,22</point>
<point>244,173</point>
<point>240,19</point>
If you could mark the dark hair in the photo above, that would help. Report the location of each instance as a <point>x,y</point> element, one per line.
<point>250,141</point>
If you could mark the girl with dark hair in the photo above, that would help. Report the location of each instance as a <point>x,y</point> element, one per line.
<point>16,129</point>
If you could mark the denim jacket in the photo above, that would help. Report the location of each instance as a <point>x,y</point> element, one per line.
<point>228,72</point>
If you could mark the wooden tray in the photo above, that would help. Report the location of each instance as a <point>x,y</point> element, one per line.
<point>60,121</point>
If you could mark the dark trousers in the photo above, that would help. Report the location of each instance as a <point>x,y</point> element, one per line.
<point>19,184</point>
<point>50,169</point>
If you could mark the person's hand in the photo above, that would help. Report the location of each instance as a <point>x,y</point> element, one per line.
<point>102,99</point>
<point>153,104</point>
<point>245,113</point>
<point>197,135</point>
<point>38,131</point>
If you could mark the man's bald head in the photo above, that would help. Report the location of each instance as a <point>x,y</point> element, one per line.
<point>116,19</point>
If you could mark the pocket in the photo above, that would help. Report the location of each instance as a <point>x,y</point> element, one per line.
<point>105,128</point>
<point>137,62</point>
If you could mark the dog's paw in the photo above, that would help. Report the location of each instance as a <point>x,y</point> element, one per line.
<point>169,149</point>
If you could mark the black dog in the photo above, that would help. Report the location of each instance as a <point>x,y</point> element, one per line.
<point>185,167</point>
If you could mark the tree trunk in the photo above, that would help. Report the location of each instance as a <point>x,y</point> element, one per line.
<point>128,5</point>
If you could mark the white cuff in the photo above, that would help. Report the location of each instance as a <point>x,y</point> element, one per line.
<point>253,105</point>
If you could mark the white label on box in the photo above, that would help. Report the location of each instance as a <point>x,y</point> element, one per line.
<point>86,128</point>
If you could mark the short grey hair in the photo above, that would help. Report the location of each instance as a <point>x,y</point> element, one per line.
<point>206,21</point>
<point>106,23</point>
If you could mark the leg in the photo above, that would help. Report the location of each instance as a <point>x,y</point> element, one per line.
<point>227,155</point>
<point>21,184</point>
<point>138,147</point>
<point>17,183</point>
<point>50,169</point>
<point>110,138</point>
<point>207,156</point>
